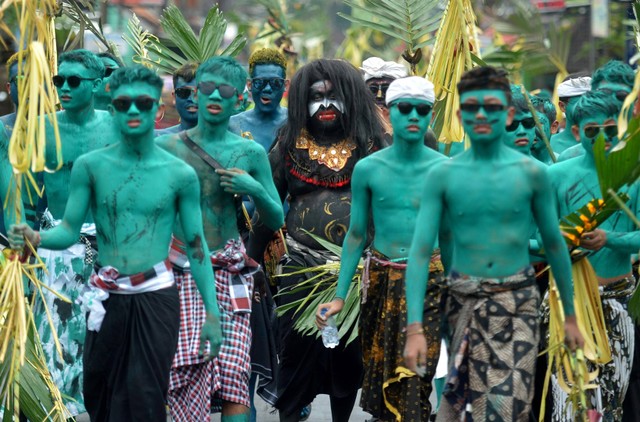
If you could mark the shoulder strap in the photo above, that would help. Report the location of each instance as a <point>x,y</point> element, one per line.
<point>199,151</point>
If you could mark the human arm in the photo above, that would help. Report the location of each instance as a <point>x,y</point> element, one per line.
<point>7,183</point>
<point>546,218</point>
<point>198,253</point>
<point>427,225</point>
<point>66,233</point>
<point>354,241</point>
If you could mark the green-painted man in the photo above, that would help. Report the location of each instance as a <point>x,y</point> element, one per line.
<point>492,193</point>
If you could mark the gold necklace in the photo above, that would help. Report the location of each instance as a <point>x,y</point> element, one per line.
<point>334,156</point>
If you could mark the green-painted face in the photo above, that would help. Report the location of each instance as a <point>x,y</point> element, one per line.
<point>78,97</point>
<point>592,126</point>
<point>484,114</point>
<point>410,118</point>
<point>217,99</point>
<point>521,132</point>
<point>538,143</point>
<point>134,108</point>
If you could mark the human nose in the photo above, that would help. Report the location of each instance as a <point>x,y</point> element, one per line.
<point>481,113</point>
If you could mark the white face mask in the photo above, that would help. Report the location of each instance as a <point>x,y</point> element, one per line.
<point>326,89</point>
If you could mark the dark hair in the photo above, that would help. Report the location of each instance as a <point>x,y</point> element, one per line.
<point>613,71</point>
<point>186,72</point>
<point>226,67</point>
<point>85,58</point>
<point>267,56</point>
<point>518,100</point>
<point>360,121</point>
<point>106,54</point>
<point>485,77</point>
<point>545,106</point>
<point>132,74</point>
<point>594,102</point>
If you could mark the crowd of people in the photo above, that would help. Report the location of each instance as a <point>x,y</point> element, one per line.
<point>173,289</point>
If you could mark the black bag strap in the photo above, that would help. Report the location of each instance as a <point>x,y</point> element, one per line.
<point>199,151</point>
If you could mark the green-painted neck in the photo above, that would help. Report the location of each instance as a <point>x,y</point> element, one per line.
<point>80,117</point>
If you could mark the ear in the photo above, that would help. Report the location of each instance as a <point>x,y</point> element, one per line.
<point>96,84</point>
<point>636,106</point>
<point>554,127</point>
<point>286,85</point>
<point>575,130</point>
<point>249,84</point>
<point>110,109</point>
<point>173,95</point>
<point>511,112</point>
<point>8,87</point>
<point>562,106</point>
<point>459,114</point>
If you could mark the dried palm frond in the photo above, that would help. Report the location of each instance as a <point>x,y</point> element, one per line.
<point>36,59</point>
<point>455,44</point>
<point>411,21</point>
<point>74,10</point>
<point>321,288</point>
<point>180,36</point>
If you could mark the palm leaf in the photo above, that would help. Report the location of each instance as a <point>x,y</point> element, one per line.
<point>455,41</point>
<point>411,21</point>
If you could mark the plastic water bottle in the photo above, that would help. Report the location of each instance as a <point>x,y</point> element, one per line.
<point>330,337</point>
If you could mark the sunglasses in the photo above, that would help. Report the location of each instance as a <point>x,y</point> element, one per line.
<point>379,88</point>
<point>406,108</point>
<point>184,92</point>
<point>73,81</point>
<point>593,131</point>
<point>528,123</point>
<point>143,103</point>
<point>208,88</point>
<point>109,70</point>
<point>620,95</point>
<point>489,108</point>
<point>261,83</point>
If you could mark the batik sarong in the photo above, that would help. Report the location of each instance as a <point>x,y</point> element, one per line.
<point>127,362</point>
<point>494,330</point>
<point>67,273</point>
<point>196,387</point>
<point>390,391</point>
<point>613,377</point>
<point>307,368</point>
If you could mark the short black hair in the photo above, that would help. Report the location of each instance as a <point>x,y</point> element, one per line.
<point>485,77</point>
<point>85,58</point>
<point>113,57</point>
<point>132,74</point>
<point>186,72</point>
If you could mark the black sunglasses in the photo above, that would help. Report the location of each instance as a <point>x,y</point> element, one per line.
<point>406,108</point>
<point>379,88</point>
<point>261,83</point>
<point>528,123</point>
<point>73,80</point>
<point>208,88</point>
<point>620,95</point>
<point>109,70</point>
<point>609,130</point>
<point>184,92</point>
<point>143,103</point>
<point>489,108</point>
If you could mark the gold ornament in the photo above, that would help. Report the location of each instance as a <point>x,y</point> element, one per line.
<point>334,156</point>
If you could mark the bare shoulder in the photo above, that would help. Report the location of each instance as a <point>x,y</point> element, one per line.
<point>168,142</point>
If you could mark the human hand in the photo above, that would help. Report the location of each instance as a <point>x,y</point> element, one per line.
<point>593,240</point>
<point>237,181</point>
<point>212,332</point>
<point>332,308</point>
<point>19,232</point>
<point>572,336</point>
<point>415,353</point>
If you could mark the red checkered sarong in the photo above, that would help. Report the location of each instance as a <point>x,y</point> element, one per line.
<point>226,377</point>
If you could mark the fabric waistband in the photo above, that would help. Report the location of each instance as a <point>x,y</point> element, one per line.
<point>618,289</point>
<point>158,277</point>
<point>474,285</point>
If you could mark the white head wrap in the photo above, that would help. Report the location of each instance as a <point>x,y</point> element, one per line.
<point>574,87</point>
<point>375,67</point>
<point>411,87</point>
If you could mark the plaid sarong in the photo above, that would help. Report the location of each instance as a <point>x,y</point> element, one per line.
<point>494,330</point>
<point>195,386</point>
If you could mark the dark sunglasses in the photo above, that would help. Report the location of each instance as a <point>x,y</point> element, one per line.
<point>208,88</point>
<point>73,81</point>
<point>406,108</point>
<point>109,70</point>
<point>489,108</point>
<point>593,131</point>
<point>261,83</point>
<point>379,88</point>
<point>143,103</point>
<point>620,95</point>
<point>184,92</point>
<point>528,123</point>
